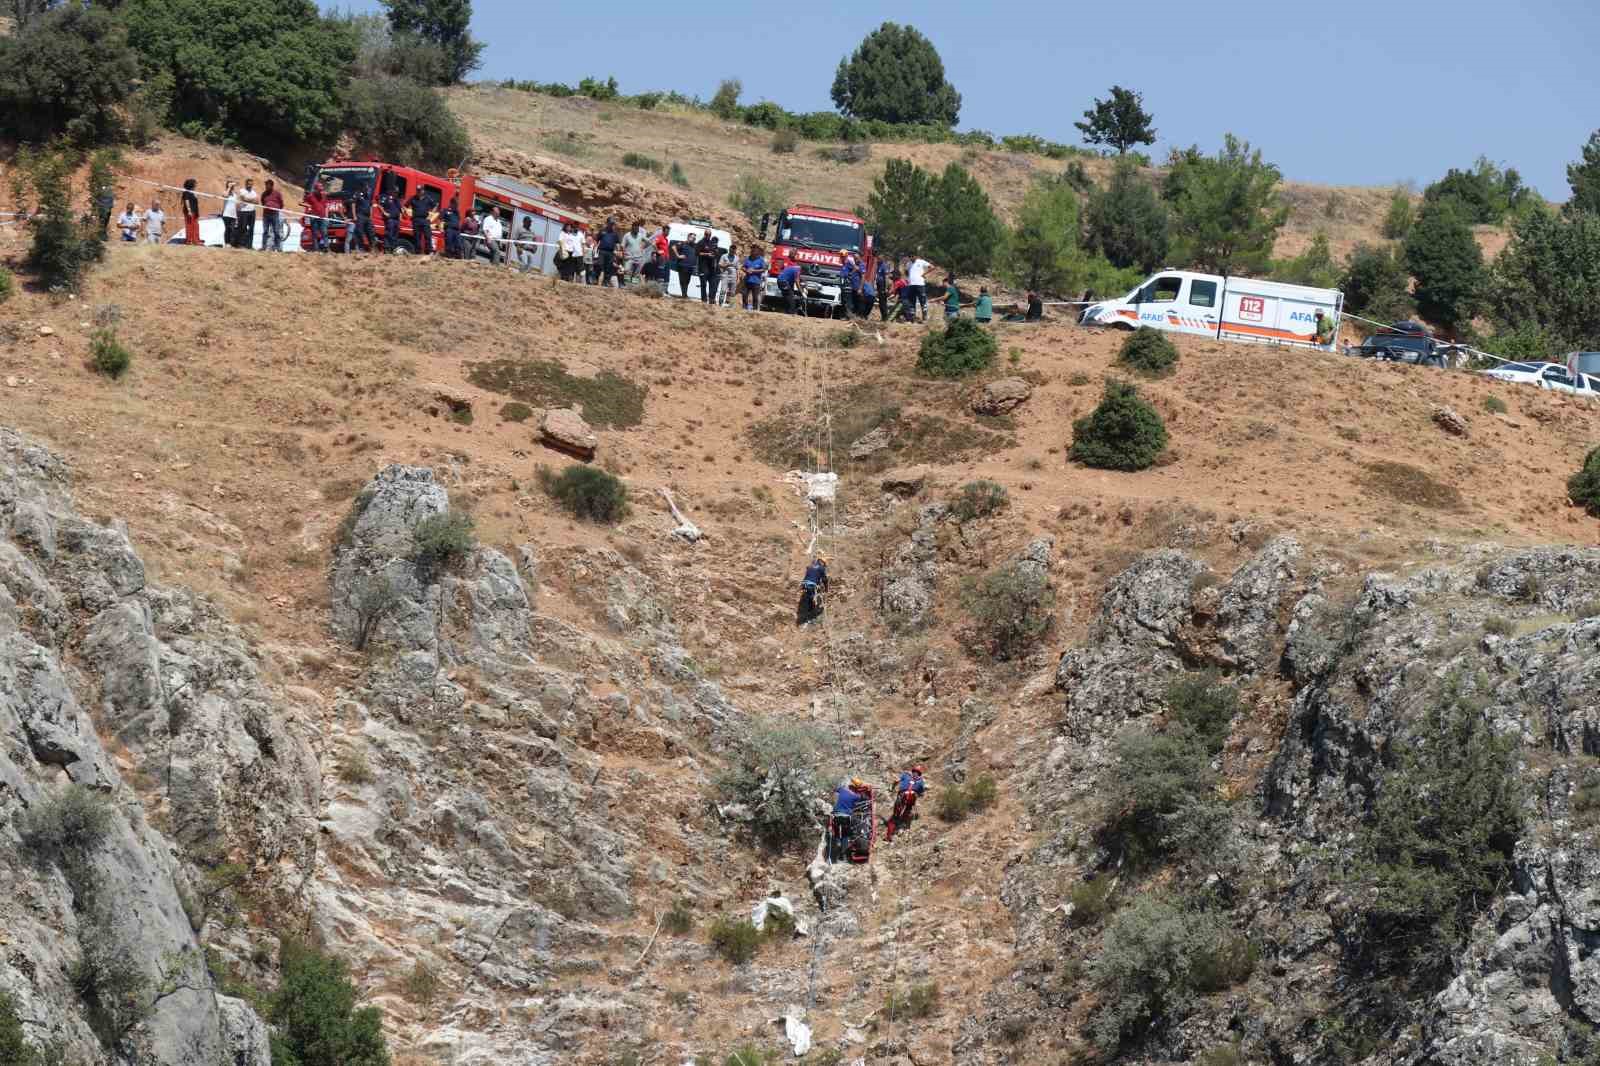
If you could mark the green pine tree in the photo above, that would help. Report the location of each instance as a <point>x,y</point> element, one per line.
<point>1443,256</point>
<point>1127,223</point>
<point>1119,121</point>
<point>896,75</point>
<point>1225,208</point>
<point>1584,177</point>
<point>1376,285</point>
<point>965,232</point>
<point>900,207</point>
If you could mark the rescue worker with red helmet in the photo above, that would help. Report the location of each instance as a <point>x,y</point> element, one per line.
<point>906,792</point>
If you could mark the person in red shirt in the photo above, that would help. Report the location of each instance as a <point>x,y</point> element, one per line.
<point>191,215</point>
<point>271,206</point>
<point>315,204</point>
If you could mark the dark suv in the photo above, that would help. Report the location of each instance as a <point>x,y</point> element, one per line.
<point>1405,342</point>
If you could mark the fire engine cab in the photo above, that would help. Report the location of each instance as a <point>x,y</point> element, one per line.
<point>817,240</point>
<point>516,201</point>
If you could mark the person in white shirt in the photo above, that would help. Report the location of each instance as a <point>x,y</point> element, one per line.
<point>729,265</point>
<point>155,220</point>
<point>245,230</point>
<point>917,286</point>
<point>230,214</point>
<point>571,251</point>
<point>493,232</point>
<point>528,252</point>
<point>129,222</point>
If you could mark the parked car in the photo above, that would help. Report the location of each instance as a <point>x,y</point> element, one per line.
<point>1556,378</point>
<point>1406,342</point>
<point>212,231</point>
<point>1518,373</point>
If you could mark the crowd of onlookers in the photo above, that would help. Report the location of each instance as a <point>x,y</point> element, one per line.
<point>895,286</point>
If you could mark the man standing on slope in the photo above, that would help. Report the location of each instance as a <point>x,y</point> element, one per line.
<point>917,285</point>
<point>906,792</point>
<point>271,206</point>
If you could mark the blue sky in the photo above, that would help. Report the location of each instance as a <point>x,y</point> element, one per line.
<point>1355,92</point>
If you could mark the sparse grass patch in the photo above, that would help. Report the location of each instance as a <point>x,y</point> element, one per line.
<point>639,161</point>
<point>1494,405</point>
<point>587,492</point>
<point>515,411</point>
<point>354,767</point>
<point>979,499</point>
<point>1079,380</point>
<point>679,918</point>
<point>784,142</point>
<point>423,984</point>
<point>568,144</point>
<point>918,1001</point>
<point>8,285</point>
<point>958,802</point>
<point>1411,485</point>
<point>608,401</point>
<point>1498,626</point>
<point>735,939</point>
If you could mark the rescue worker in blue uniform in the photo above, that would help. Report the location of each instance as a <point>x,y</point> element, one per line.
<point>361,219</point>
<point>391,220</point>
<point>450,217</point>
<point>815,581</point>
<point>789,286</point>
<point>845,799</point>
<point>421,231</point>
<point>906,792</point>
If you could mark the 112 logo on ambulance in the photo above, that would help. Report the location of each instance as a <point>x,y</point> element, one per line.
<point>1253,308</point>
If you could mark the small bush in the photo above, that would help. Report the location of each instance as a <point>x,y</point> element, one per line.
<point>680,918</point>
<point>735,939</point>
<point>784,142</point>
<point>1091,901</point>
<point>725,102</point>
<point>354,768</point>
<point>1161,799</point>
<point>314,1014</point>
<point>1149,352</point>
<point>957,802</point>
<point>108,981</point>
<point>1205,705</point>
<point>1494,405</point>
<point>14,1047</point>
<point>1584,486</point>
<point>1498,626</point>
<point>979,499</point>
<point>848,153</point>
<point>754,196</point>
<point>639,161</point>
<point>587,492</point>
<point>963,347</point>
<point>515,412</point>
<point>443,539</point>
<point>1013,607</point>
<point>8,285</point>
<point>376,600</point>
<point>108,355</point>
<point>423,984</point>
<point>845,338</point>
<point>68,826</point>
<point>400,120</point>
<point>779,925</point>
<point>676,175</point>
<point>1013,1029</point>
<point>777,772</point>
<point>918,1001</point>
<point>1227,961</point>
<point>750,1055</point>
<point>1122,433</point>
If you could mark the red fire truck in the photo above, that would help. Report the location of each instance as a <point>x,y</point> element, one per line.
<point>817,240</point>
<point>516,202</point>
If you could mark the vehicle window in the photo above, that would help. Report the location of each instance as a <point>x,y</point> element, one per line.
<point>1558,375</point>
<point>342,182</point>
<point>1203,294</point>
<point>1165,290</point>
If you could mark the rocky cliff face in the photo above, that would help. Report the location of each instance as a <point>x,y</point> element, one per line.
<point>1336,684</point>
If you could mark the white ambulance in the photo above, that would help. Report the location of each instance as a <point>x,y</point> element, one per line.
<point>1233,309</point>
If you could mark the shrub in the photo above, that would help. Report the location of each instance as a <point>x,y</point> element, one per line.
<point>1122,433</point>
<point>679,919</point>
<point>423,984</point>
<point>107,354</point>
<point>784,142</point>
<point>1205,705</point>
<point>725,102</point>
<point>1443,255</point>
<point>1498,626</point>
<point>1149,352</point>
<point>963,347</point>
<point>1376,283</point>
<point>1227,961</point>
<point>443,539</point>
<point>1013,606</point>
<point>375,601</point>
<point>400,120</point>
<point>69,825</point>
<point>845,338</point>
<point>315,1016</point>
<point>14,1047</point>
<point>755,196</point>
<point>1584,486</point>
<point>587,492</point>
<point>676,175</point>
<point>777,772</point>
<point>847,153</point>
<point>1092,900</point>
<point>1156,952</point>
<point>750,1055</point>
<point>1398,219</point>
<point>1494,405</point>
<point>1437,847</point>
<point>957,802</point>
<point>918,1001</point>
<point>64,245</point>
<point>8,285</point>
<point>639,161</point>
<point>107,979</point>
<point>1127,222</point>
<point>355,768</point>
<point>735,939</point>
<point>979,499</point>
<point>1161,800</point>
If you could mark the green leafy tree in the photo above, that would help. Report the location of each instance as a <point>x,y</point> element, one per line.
<point>1444,258</point>
<point>1400,216</point>
<point>896,75</point>
<point>23,12</point>
<point>1226,211</point>
<point>965,233</point>
<point>314,1010</point>
<point>1584,177</point>
<point>1120,121</point>
<point>1314,266</point>
<point>1376,285</point>
<point>403,121</point>
<point>444,23</point>
<point>1042,250</point>
<point>725,104</point>
<point>380,51</point>
<point>1549,276</point>
<point>262,69</point>
<point>1126,221</point>
<point>900,207</point>
<point>1486,193</point>
<point>66,72</point>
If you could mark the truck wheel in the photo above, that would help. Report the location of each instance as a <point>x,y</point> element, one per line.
<point>405,246</point>
<point>1126,327</point>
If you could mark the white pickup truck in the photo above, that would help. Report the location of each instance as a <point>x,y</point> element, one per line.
<point>1236,309</point>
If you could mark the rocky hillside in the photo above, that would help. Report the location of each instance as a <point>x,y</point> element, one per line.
<point>260,686</point>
